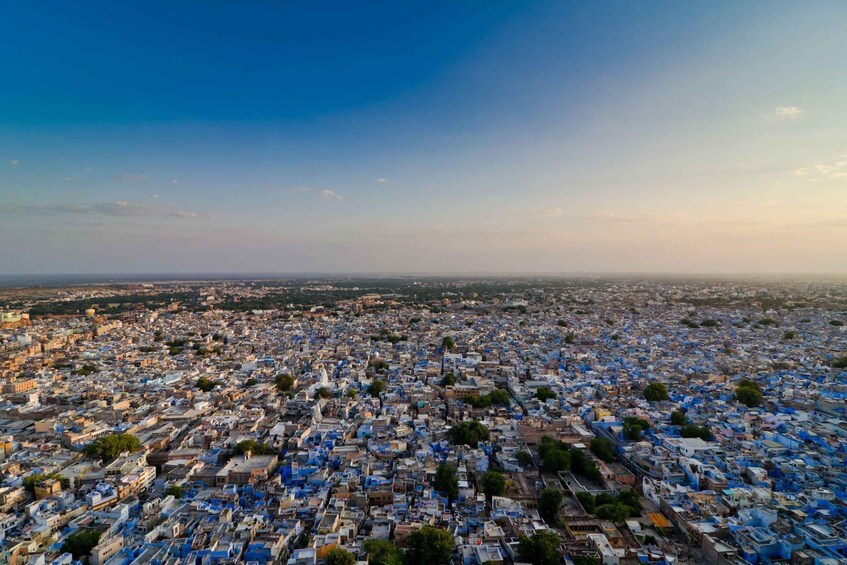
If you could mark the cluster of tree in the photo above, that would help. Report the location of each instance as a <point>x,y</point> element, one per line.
<point>174,491</point>
<point>323,392</point>
<point>693,430</point>
<point>254,447</point>
<point>379,365</point>
<point>206,384</point>
<point>283,382</point>
<point>557,456</point>
<point>469,432</point>
<point>542,548</point>
<point>678,417</point>
<point>86,369</point>
<point>31,480</point>
<point>80,543</point>
<point>108,448</point>
<point>376,388</point>
<point>429,546</point>
<point>688,428</point>
<point>447,482</point>
<point>448,343</point>
<point>655,392</point>
<point>545,393</point>
<point>493,484</point>
<point>840,363</point>
<point>111,305</point>
<point>383,552</point>
<point>603,448</point>
<point>549,504</point>
<point>448,380</point>
<point>614,507</point>
<point>340,556</point>
<point>386,335</point>
<point>748,393</point>
<point>524,458</point>
<point>496,397</point>
<point>633,428</point>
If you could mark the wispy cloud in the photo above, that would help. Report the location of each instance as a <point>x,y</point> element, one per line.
<point>107,209</point>
<point>130,177</point>
<point>301,189</point>
<point>331,194</point>
<point>663,218</point>
<point>834,170</point>
<point>788,111</point>
<point>381,180</point>
<point>14,162</point>
<point>553,212</point>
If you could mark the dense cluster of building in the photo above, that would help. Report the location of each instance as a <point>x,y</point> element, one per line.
<point>177,435</point>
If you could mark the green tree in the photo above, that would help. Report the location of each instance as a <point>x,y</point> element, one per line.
<point>524,458</point>
<point>383,552</point>
<point>352,393</point>
<point>254,447</point>
<point>499,396</point>
<point>108,448</point>
<point>376,387</point>
<point>323,392</point>
<point>549,504</point>
<point>655,392</point>
<point>840,363</point>
<point>586,499</point>
<point>448,380</point>
<point>429,546</point>
<point>447,482</point>
<point>30,481</point>
<point>616,512</point>
<point>448,343</point>
<point>284,382</point>
<point>545,393</point>
<point>80,543</point>
<point>469,432</point>
<point>493,484</point>
<point>541,549</point>
<point>206,384</point>
<point>585,560</point>
<point>555,455</point>
<point>174,490</point>
<point>691,430</point>
<point>603,448</point>
<point>678,417</point>
<point>339,556</point>
<point>748,393</point>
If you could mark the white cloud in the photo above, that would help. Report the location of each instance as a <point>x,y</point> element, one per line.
<point>381,180</point>
<point>663,218</point>
<point>129,177</point>
<point>788,111</point>
<point>111,209</point>
<point>302,189</point>
<point>67,179</point>
<point>331,194</point>
<point>835,170</point>
<point>175,181</point>
<point>553,212</point>
<point>14,162</point>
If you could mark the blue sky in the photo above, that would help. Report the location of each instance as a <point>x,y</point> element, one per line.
<point>424,137</point>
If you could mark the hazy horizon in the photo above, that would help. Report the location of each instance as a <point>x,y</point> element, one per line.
<point>510,138</point>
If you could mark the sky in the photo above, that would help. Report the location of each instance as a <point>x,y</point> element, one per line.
<point>423,137</point>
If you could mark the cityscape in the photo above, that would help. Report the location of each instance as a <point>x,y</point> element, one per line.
<point>423,282</point>
<point>425,420</point>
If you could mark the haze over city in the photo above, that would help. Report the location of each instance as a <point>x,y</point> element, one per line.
<point>509,137</point>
